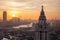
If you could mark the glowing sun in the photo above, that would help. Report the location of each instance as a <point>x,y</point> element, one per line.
<point>13,13</point>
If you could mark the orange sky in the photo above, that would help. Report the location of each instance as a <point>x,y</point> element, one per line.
<point>30,9</point>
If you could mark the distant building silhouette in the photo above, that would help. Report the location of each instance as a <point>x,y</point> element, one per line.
<point>4,16</point>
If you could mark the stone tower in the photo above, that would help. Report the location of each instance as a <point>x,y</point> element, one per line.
<point>41,28</point>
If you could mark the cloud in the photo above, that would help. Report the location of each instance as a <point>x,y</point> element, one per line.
<point>29,4</point>
<point>26,4</point>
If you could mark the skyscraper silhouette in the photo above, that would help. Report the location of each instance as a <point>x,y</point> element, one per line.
<point>4,16</point>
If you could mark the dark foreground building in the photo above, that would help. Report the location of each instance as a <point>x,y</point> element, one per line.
<point>42,28</point>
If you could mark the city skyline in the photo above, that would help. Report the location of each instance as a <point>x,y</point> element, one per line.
<point>30,9</point>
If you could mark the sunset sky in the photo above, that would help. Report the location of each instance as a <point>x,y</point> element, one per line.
<point>30,9</point>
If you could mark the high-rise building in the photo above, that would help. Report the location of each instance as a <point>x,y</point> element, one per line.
<point>4,16</point>
<point>41,29</point>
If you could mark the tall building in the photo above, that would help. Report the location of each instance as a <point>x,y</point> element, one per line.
<point>4,16</point>
<point>41,29</point>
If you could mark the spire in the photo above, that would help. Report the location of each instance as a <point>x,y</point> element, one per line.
<point>42,15</point>
<point>42,19</point>
<point>42,7</point>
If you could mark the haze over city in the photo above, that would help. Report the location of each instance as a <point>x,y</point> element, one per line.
<point>29,20</point>
<point>30,9</point>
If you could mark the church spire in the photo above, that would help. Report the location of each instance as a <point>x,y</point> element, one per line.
<point>42,15</point>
